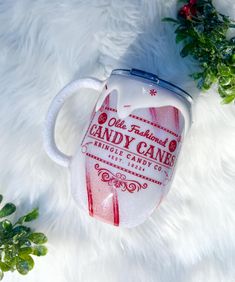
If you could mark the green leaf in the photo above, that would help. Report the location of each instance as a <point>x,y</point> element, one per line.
<point>20,228</point>
<point>196,75</point>
<point>222,91</point>
<point>232,60</point>
<point>25,251</point>
<point>171,20</point>
<point>186,50</point>
<point>38,238</point>
<point>227,90</point>
<point>24,264</point>
<point>207,80</point>
<point>6,224</point>
<point>181,28</point>
<point>20,234</point>
<point>4,267</point>
<point>32,215</point>
<point>225,80</point>
<point>228,99</point>
<point>8,209</point>
<point>232,68</point>
<point>39,250</point>
<point>1,274</point>
<point>206,84</point>
<point>19,237</point>
<point>1,197</point>
<point>180,36</point>
<point>223,69</point>
<point>22,267</point>
<point>9,257</point>
<point>25,243</point>
<point>29,259</point>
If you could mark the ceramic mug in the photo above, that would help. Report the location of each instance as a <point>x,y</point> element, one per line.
<point>126,156</point>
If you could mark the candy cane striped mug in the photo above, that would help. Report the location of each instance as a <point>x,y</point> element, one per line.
<point>127,154</point>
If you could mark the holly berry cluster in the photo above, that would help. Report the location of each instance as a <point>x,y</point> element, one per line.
<point>203,33</point>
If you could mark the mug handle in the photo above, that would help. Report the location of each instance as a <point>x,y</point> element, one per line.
<point>49,126</point>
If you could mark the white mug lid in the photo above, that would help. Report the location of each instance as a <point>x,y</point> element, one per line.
<point>153,78</point>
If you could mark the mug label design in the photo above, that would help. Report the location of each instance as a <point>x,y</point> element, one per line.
<point>129,156</point>
<point>138,145</point>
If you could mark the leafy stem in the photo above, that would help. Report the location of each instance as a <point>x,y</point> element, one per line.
<point>18,242</point>
<point>202,31</point>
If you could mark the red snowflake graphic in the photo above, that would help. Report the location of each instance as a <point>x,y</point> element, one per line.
<point>153,92</point>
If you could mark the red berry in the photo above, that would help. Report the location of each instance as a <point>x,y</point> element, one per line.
<point>185,11</point>
<point>192,2</point>
<point>189,10</point>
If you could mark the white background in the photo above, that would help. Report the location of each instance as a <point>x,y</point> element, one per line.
<point>46,44</point>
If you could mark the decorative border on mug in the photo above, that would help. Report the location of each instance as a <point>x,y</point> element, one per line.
<point>119,180</point>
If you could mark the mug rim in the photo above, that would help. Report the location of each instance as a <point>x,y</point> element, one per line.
<point>153,78</point>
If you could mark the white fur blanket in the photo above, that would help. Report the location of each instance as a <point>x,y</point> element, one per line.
<point>46,44</point>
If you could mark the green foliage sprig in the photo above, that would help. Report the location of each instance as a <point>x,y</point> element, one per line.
<point>18,242</point>
<point>203,32</point>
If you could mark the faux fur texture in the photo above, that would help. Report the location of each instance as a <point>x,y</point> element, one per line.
<point>46,44</point>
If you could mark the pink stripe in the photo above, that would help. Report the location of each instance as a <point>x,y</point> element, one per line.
<point>176,118</point>
<point>106,102</point>
<point>102,202</point>
<point>89,193</point>
<point>153,113</point>
<point>115,208</point>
